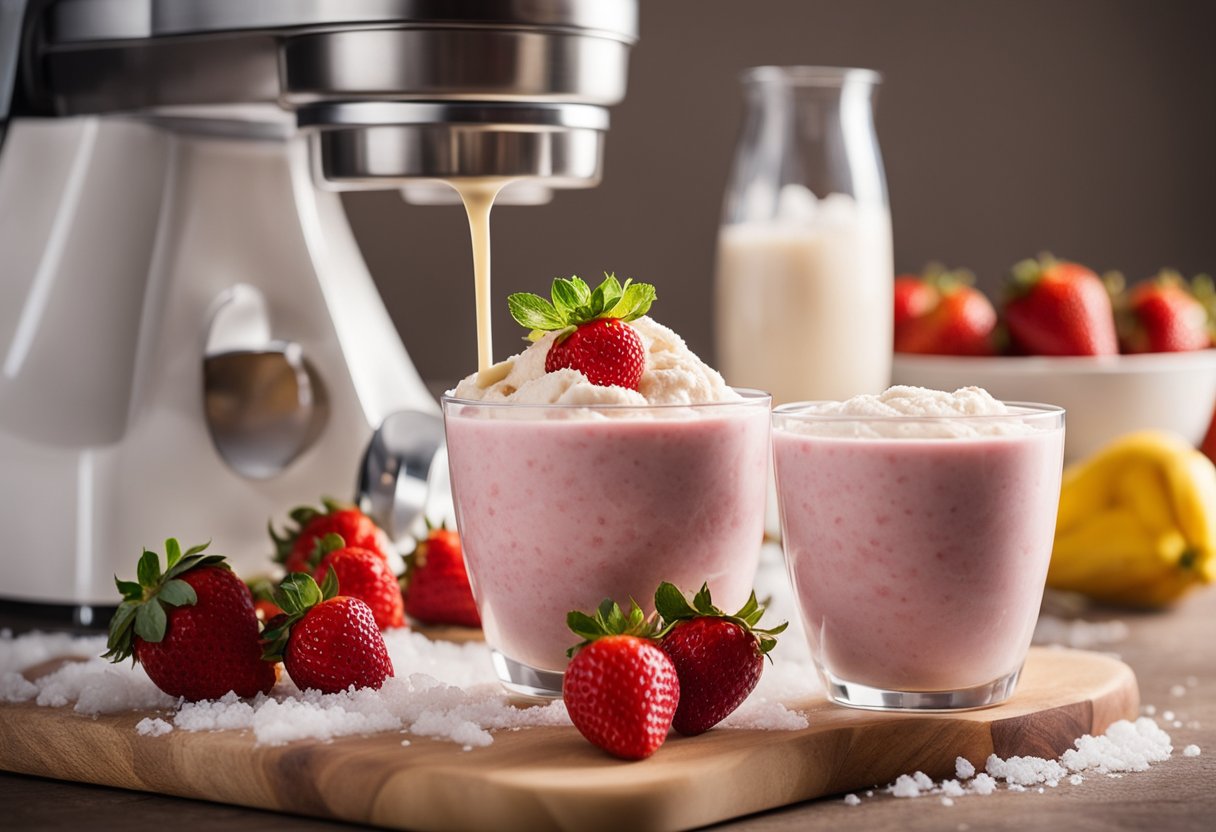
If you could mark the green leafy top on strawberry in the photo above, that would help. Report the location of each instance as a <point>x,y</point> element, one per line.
<point>673,608</point>
<point>301,516</point>
<point>296,595</point>
<point>575,303</point>
<point>610,620</point>
<point>142,611</point>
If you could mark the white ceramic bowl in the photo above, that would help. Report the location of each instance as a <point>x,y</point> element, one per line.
<point>1104,397</point>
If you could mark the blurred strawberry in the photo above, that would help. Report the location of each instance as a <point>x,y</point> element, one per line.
<point>436,584</point>
<point>296,547</point>
<point>1163,315</point>
<point>914,296</point>
<point>940,313</point>
<point>362,574</point>
<point>1059,308</point>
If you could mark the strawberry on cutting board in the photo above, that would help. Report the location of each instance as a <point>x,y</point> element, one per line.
<point>593,333</point>
<point>192,627</point>
<point>718,657</point>
<point>327,642</point>
<point>1163,315</point>
<point>1059,308</point>
<point>296,547</point>
<point>362,574</point>
<point>436,584</point>
<point>620,689</point>
<point>941,313</point>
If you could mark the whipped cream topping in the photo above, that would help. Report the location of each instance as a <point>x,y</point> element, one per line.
<point>673,375</point>
<point>913,413</point>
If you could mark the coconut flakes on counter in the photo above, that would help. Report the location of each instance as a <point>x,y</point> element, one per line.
<point>1125,747</point>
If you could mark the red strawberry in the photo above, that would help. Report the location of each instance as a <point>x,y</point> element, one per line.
<point>914,296</point>
<point>1059,308</point>
<point>362,574</point>
<point>436,584</point>
<point>621,690</point>
<point>593,336</point>
<point>958,320</point>
<point>327,642</point>
<point>296,547</point>
<point>1163,315</point>
<point>718,657</point>
<point>192,628</point>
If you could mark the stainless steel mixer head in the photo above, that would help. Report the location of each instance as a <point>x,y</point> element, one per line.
<point>395,89</point>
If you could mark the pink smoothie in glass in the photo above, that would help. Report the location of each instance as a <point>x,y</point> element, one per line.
<point>558,511</point>
<point>919,563</point>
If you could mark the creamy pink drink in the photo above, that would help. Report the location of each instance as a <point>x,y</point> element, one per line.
<point>567,493</point>
<point>918,527</point>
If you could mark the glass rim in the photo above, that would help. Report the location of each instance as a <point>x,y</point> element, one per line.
<point>750,397</point>
<point>810,76</point>
<point>1034,410</point>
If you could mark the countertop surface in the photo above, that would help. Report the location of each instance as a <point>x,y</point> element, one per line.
<point>1173,654</point>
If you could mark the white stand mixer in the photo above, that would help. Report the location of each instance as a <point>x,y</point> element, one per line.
<point>190,341</point>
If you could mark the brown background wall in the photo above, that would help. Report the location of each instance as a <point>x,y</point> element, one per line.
<point>1083,127</point>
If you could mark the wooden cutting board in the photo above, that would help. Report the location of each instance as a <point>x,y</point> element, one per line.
<point>550,778</point>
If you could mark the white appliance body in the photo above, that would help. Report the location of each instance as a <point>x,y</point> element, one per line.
<point>119,238</point>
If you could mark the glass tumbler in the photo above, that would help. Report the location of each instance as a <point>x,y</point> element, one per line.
<point>918,548</point>
<point>805,270</point>
<point>562,506</point>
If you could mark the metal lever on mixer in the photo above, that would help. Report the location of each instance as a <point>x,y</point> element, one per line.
<point>263,403</point>
<point>396,476</point>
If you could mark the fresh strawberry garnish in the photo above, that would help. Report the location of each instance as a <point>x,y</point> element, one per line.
<point>1163,315</point>
<point>593,334</point>
<point>718,657</point>
<point>436,584</point>
<point>362,574</point>
<point>192,627</point>
<point>1059,308</point>
<point>296,548</point>
<point>954,317</point>
<point>621,690</point>
<point>327,642</point>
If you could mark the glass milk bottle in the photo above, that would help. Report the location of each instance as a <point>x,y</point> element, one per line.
<point>805,271</point>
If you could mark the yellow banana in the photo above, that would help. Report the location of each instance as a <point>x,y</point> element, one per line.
<point>1137,522</point>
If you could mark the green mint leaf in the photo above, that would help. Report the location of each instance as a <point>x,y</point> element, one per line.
<point>148,569</point>
<point>610,291</point>
<point>534,312</point>
<point>173,552</point>
<point>634,303</point>
<point>671,603</point>
<point>177,593</point>
<point>150,621</point>
<point>569,295</point>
